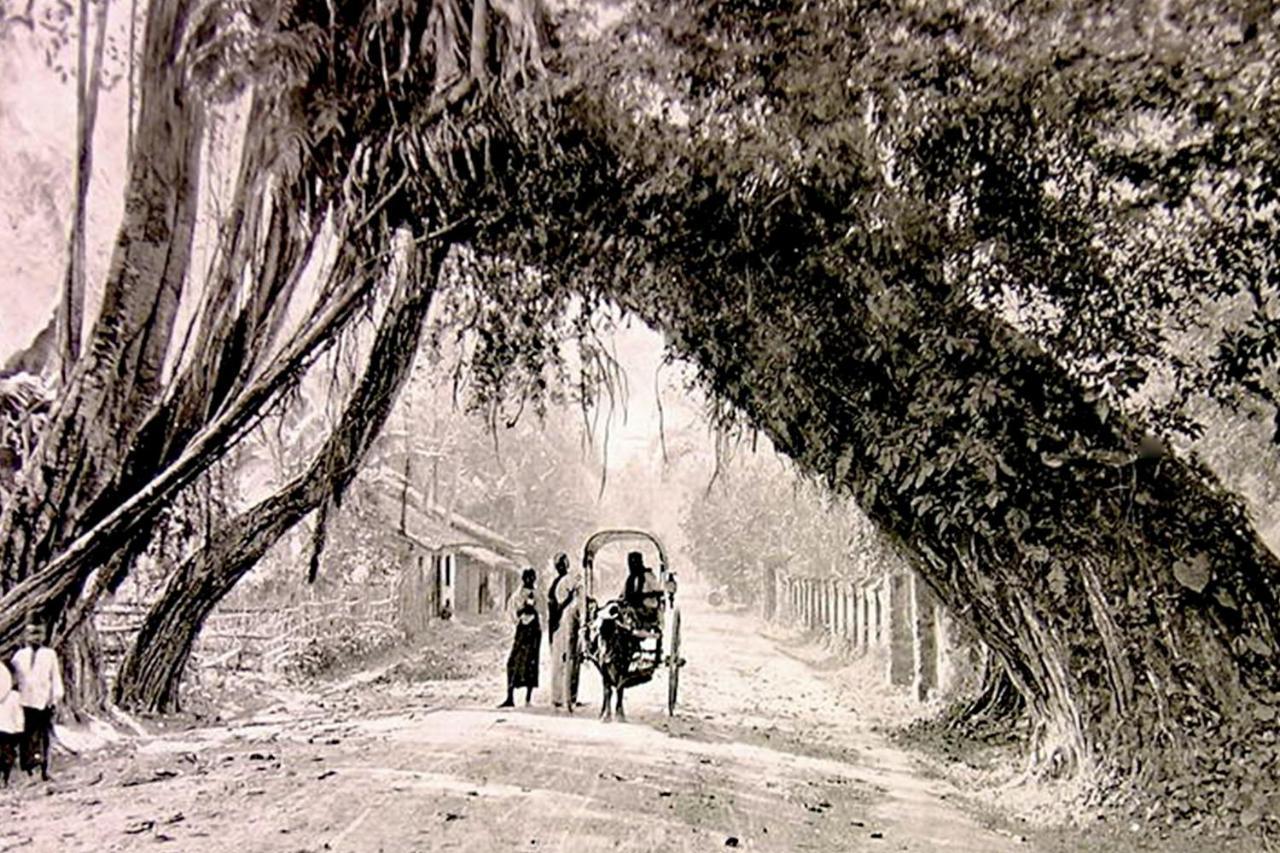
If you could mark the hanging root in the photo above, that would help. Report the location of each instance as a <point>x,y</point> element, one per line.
<point>318,538</point>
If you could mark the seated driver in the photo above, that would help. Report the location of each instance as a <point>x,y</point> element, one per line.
<point>642,591</point>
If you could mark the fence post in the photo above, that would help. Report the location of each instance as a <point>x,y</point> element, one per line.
<point>853,612</point>
<point>844,609</point>
<point>849,616</point>
<point>864,602</point>
<point>833,624</point>
<point>842,612</point>
<point>883,604</point>
<point>873,604</point>
<point>902,651</point>
<point>815,598</point>
<point>851,600</point>
<point>855,592</point>
<point>941,619</point>
<point>923,623</point>
<point>834,587</point>
<point>812,598</point>
<point>835,608</point>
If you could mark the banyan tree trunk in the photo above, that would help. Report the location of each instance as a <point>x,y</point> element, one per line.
<point>81,655</point>
<point>118,377</point>
<point>151,673</point>
<point>115,381</point>
<point>96,547</point>
<point>995,704</point>
<point>1133,603</point>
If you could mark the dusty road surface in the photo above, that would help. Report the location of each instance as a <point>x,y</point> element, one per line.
<point>763,755</point>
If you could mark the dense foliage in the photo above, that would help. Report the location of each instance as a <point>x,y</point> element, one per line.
<point>935,252</point>
<point>972,265</point>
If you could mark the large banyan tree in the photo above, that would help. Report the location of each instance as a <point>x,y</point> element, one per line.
<point>364,122</point>
<point>939,252</point>
<point>946,255</point>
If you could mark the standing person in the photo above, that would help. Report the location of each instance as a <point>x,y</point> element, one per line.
<point>524,609</point>
<point>11,722</point>
<point>571,623</point>
<point>40,689</point>
<point>562,629</point>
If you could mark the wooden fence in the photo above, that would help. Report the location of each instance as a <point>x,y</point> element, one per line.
<point>258,637</point>
<point>893,614</point>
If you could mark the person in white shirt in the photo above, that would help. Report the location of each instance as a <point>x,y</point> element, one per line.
<point>11,722</point>
<point>40,690</point>
<point>562,631</point>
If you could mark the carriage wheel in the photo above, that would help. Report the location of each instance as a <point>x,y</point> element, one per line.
<point>674,662</point>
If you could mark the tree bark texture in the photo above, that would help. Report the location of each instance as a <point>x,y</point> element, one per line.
<point>1133,603</point>
<point>151,673</point>
<point>118,377</point>
<point>71,315</point>
<point>100,543</point>
<point>116,452</point>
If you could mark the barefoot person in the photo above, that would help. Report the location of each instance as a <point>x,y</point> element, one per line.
<point>39,676</point>
<point>524,609</point>
<point>562,631</point>
<point>11,722</point>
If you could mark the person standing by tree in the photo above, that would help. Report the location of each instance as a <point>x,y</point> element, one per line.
<point>525,609</point>
<point>562,631</point>
<point>11,722</point>
<point>40,689</point>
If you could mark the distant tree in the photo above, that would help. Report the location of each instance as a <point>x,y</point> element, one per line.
<point>760,515</point>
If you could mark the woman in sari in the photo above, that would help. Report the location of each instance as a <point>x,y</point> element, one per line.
<point>525,609</point>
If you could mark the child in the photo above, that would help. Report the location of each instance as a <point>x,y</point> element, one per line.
<point>10,721</point>
<point>39,677</point>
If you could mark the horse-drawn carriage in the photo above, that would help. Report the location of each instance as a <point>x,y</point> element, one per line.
<point>636,629</point>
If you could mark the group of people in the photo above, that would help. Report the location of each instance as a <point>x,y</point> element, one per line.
<point>529,610</point>
<point>560,611</point>
<point>30,690</point>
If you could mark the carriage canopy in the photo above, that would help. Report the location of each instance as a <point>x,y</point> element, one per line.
<point>604,560</point>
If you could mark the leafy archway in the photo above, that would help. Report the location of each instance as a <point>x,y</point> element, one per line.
<point>930,251</point>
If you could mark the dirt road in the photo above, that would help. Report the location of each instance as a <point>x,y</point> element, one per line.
<point>764,754</point>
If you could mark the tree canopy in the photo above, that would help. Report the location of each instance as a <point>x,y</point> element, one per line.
<point>969,264</point>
